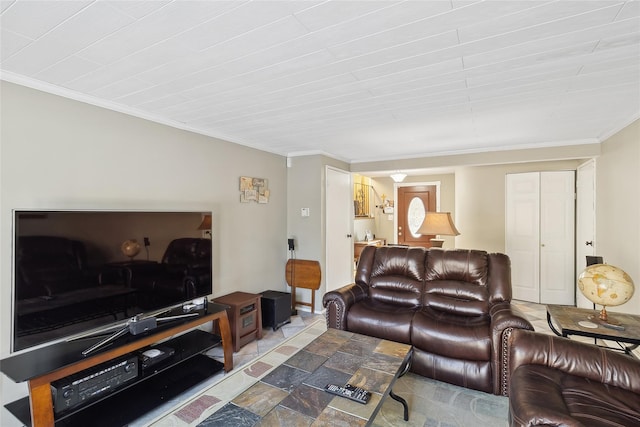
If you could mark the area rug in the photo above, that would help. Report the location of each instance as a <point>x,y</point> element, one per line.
<point>432,403</point>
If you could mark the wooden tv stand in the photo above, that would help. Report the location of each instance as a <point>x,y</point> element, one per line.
<point>45,365</point>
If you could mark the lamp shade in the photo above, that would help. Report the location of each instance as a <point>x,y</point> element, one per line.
<point>438,223</point>
<point>206,223</point>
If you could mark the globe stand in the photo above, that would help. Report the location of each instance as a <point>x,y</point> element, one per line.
<point>603,314</point>
<point>607,322</point>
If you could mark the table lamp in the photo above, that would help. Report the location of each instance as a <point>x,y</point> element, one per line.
<point>438,224</point>
<point>205,225</point>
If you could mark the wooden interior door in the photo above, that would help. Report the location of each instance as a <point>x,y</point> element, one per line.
<point>413,203</point>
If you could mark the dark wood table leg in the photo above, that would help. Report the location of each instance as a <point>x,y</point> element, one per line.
<point>227,341</point>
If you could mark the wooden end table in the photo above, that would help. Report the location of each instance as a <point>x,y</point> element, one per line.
<point>245,317</point>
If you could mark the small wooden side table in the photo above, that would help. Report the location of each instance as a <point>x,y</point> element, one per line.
<point>245,317</point>
<point>306,274</point>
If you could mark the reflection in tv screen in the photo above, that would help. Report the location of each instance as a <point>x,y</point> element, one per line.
<point>79,270</point>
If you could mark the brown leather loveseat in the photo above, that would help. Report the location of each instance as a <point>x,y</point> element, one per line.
<point>453,306</point>
<point>555,381</point>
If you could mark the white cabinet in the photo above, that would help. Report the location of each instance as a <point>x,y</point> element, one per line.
<point>540,236</point>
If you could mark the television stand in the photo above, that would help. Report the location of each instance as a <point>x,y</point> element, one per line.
<point>45,365</point>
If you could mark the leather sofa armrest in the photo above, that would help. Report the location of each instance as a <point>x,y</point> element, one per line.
<point>504,317</point>
<point>574,358</point>
<point>338,302</point>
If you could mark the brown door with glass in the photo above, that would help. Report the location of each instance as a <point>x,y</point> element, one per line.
<point>413,204</point>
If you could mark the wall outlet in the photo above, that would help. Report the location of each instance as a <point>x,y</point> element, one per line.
<point>304,212</point>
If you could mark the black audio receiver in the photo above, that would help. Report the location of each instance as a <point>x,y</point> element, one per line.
<point>90,384</point>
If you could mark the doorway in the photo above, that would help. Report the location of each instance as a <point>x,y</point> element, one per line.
<point>413,202</point>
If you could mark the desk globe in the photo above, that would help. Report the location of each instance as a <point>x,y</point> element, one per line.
<point>605,285</point>
<point>130,248</point>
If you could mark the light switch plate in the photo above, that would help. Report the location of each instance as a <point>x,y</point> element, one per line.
<point>304,211</point>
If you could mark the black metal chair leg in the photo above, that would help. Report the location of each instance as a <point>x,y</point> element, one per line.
<point>404,404</point>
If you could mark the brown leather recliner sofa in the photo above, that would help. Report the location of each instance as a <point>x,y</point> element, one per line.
<point>453,306</point>
<point>554,381</point>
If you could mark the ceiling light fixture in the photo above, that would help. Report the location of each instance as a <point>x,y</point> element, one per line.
<point>398,176</point>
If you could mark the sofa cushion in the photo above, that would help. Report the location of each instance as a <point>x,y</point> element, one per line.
<point>467,338</point>
<point>378,319</point>
<point>456,282</point>
<point>541,395</point>
<point>397,276</point>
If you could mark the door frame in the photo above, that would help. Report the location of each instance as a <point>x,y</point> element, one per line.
<point>396,185</point>
<point>581,226</point>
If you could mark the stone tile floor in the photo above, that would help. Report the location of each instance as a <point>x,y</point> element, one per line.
<point>465,406</point>
<point>270,339</point>
<point>246,354</point>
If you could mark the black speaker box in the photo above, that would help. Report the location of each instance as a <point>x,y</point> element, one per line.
<point>276,308</point>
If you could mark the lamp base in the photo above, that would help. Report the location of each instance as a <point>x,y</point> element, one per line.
<point>436,243</point>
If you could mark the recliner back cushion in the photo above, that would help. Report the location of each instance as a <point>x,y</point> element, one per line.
<point>456,282</point>
<point>397,276</point>
<point>49,265</point>
<point>187,251</point>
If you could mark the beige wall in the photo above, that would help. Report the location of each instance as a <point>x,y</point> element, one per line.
<point>618,206</point>
<point>57,153</point>
<point>306,189</point>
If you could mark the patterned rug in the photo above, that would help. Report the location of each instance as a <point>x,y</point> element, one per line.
<point>431,403</point>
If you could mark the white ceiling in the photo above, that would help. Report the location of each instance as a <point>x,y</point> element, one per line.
<point>357,80</point>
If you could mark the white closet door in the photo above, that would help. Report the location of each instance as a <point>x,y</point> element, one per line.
<point>540,236</point>
<point>523,234</point>
<point>557,237</point>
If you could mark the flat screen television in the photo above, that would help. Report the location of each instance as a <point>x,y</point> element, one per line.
<point>76,271</point>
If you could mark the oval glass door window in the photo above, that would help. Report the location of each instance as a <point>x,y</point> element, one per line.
<point>415,216</point>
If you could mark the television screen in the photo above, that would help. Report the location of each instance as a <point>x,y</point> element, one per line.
<point>80,270</point>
